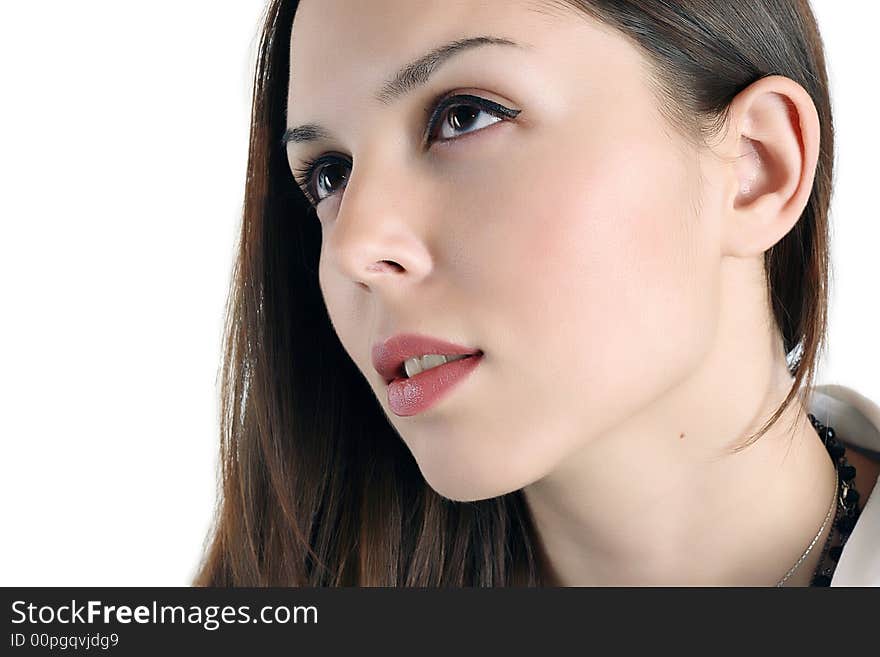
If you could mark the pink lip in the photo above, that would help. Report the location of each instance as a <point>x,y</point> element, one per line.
<point>409,396</point>
<point>388,356</point>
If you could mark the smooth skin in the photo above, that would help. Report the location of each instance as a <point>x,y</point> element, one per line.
<point>610,271</point>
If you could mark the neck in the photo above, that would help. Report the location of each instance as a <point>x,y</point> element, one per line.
<point>686,514</point>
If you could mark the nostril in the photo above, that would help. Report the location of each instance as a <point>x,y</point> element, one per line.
<point>384,265</point>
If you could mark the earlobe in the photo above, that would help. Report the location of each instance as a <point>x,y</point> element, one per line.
<point>775,142</point>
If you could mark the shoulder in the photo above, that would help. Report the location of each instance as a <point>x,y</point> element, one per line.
<point>855,417</point>
<point>856,421</point>
<point>859,563</point>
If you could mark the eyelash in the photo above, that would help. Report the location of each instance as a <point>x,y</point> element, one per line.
<point>304,176</point>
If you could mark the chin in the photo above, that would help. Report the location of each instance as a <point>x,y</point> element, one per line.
<point>457,486</point>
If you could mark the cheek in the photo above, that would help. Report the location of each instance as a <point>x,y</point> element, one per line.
<point>604,265</point>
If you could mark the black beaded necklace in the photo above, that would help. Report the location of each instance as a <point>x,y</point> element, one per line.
<point>848,509</point>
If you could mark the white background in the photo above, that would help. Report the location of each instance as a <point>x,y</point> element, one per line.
<point>123,142</point>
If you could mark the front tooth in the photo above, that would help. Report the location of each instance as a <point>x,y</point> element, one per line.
<point>412,366</point>
<point>432,360</point>
<point>418,364</point>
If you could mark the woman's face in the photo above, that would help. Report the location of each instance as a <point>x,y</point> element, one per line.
<point>576,245</point>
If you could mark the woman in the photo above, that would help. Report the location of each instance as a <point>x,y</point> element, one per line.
<point>612,217</point>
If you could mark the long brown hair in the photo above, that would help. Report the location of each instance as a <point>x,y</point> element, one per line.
<point>317,487</point>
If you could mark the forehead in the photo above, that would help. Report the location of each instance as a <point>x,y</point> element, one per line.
<point>342,52</point>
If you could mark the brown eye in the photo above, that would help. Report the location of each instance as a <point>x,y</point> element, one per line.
<point>466,113</point>
<point>328,177</point>
<point>319,178</point>
<point>459,118</point>
<point>463,118</point>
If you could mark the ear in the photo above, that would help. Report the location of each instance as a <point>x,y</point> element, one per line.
<point>772,144</point>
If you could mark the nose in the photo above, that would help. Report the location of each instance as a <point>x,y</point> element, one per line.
<point>380,234</point>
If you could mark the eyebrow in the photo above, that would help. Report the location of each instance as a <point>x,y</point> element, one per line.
<point>410,77</point>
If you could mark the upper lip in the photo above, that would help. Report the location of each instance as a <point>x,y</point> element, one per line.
<point>389,355</point>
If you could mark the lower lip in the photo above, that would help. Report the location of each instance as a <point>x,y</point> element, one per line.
<point>409,396</point>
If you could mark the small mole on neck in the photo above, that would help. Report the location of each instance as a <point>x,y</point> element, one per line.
<point>681,435</point>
